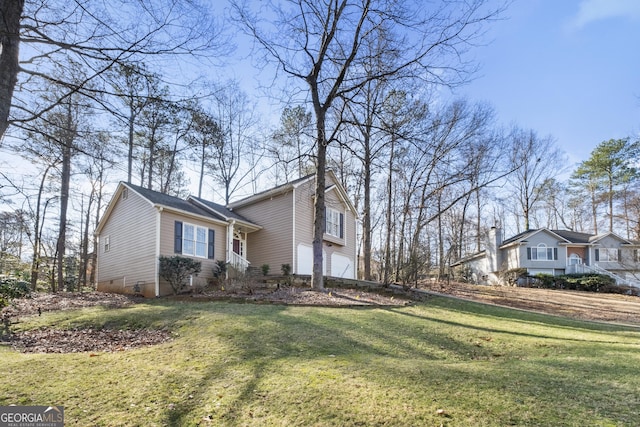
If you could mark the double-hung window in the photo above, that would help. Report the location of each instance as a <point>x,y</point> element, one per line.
<point>334,223</point>
<point>193,240</point>
<point>607,254</point>
<point>542,253</point>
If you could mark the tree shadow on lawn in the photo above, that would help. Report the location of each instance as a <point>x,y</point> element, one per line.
<point>263,337</point>
<point>266,338</point>
<point>565,326</point>
<point>523,386</point>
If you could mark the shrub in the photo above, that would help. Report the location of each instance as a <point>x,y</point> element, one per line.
<point>11,289</point>
<point>544,281</point>
<point>286,269</point>
<point>177,269</point>
<point>512,277</point>
<point>219,269</point>
<point>265,269</point>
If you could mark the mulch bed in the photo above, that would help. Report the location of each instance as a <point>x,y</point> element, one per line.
<point>330,297</point>
<point>83,340</point>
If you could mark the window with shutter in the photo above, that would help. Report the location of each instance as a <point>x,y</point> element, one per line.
<point>190,239</point>
<point>177,237</point>
<point>212,235</point>
<point>334,223</point>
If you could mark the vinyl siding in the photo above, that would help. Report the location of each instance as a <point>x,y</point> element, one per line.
<point>131,228</point>
<point>167,222</point>
<point>550,241</point>
<point>277,243</point>
<point>304,225</point>
<point>271,245</point>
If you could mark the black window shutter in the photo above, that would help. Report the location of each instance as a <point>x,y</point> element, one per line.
<point>528,253</point>
<point>619,255</point>
<point>212,235</point>
<point>555,253</point>
<point>342,226</point>
<point>597,254</point>
<point>177,237</point>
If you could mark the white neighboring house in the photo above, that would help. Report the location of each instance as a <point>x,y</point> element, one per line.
<point>555,252</point>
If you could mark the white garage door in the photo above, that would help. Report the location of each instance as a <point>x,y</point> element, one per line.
<point>305,260</point>
<point>341,266</point>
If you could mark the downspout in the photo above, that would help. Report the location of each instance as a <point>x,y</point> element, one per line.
<point>294,270</point>
<point>157,259</point>
<point>229,243</point>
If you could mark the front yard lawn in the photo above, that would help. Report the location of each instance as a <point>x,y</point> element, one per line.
<point>439,362</point>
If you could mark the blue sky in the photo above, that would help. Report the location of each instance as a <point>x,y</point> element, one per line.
<point>565,68</point>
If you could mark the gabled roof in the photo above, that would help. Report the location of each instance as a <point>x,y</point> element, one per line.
<point>171,202</point>
<point>284,188</point>
<point>275,191</point>
<point>221,211</point>
<point>599,237</point>
<point>567,236</point>
<point>193,206</point>
<point>574,236</point>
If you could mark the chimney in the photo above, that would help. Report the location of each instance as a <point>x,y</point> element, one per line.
<point>493,248</point>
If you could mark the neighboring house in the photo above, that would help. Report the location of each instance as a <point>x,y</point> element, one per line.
<point>555,252</point>
<point>274,227</point>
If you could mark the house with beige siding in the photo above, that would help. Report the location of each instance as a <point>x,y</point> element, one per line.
<point>274,227</point>
<point>554,252</point>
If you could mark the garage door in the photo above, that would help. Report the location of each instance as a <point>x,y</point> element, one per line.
<point>305,260</point>
<point>341,266</point>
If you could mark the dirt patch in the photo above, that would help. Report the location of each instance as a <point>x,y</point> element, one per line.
<point>575,304</point>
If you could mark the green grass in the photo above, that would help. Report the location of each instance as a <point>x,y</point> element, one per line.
<point>268,365</point>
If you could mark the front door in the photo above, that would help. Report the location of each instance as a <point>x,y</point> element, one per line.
<point>239,242</point>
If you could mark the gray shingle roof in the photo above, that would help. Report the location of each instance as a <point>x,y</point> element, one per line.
<point>571,236</point>
<point>221,210</point>
<point>172,202</point>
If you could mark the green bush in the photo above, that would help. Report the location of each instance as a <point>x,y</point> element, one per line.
<point>578,282</point>
<point>265,269</point>
<point>177,269</point>
<point>544,281</point>
<point>11,289</point>
<point>219,269</point>
<point>286,269</point>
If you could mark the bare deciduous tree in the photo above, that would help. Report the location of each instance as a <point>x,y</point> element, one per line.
<point>322,47</point>
<point>38,36</point>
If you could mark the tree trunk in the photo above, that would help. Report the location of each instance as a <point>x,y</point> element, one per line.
<point>35,260</point>
<point>387,245</point>
<point>64,203</point>
<point>317,278</point>
<point>11,12</point>
<point>85,241</point>
<point>366,218</point>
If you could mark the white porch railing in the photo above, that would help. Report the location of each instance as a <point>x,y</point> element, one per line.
<point>238,262</point>
<point>596,269</point>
